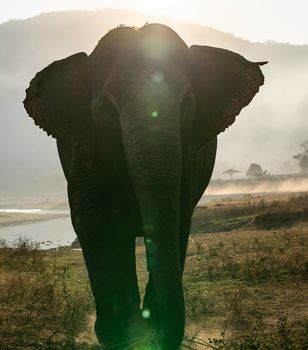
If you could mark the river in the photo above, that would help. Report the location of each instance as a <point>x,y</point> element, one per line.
<point>49,233</point>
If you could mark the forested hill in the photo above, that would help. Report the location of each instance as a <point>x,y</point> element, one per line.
<point>267,132</point>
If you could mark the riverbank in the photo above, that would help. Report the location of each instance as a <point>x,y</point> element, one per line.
<point>14,213</point>
<point>22,219</point>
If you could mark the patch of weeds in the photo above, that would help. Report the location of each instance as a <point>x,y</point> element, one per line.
<point>240,309</point>
<point>37,307</point>
<point>284,335</point>
<point>22,256</point>
<point>214,260</point>
<point>198,304</point>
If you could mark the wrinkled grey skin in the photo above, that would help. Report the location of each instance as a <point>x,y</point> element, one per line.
<point>136,124</point>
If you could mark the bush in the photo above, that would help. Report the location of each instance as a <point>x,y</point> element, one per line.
<point>38,309</point>
<point>285,335</point>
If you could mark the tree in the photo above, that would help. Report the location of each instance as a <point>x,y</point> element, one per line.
<point>254,170</point>
<point>303,158</point>
<point>231,172</point>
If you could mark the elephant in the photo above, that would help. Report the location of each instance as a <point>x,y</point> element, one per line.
<point>136,124</point>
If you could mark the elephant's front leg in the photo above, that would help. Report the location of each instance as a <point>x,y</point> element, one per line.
<point>150,302</point>
<point>110,261</point>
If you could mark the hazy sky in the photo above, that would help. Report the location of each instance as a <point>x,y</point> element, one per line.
<point>256,20</point>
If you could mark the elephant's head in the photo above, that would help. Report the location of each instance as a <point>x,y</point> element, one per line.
<point>143,98</point>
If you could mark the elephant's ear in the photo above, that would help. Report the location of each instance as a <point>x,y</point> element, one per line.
<point>58,99</point>
<point>223,83</point>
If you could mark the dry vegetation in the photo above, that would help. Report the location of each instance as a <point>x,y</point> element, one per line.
<point>266,211</point>
<point>43,304</point>
<point>246,288</point>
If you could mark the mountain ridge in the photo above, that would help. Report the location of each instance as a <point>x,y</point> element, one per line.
<point>274,124</point>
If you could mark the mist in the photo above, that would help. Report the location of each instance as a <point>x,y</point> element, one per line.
<point>260,186</point>
<point>268,132</point>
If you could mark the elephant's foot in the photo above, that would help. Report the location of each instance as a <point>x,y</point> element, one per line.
<point>123,332</point>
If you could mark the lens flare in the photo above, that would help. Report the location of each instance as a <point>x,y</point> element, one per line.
<point>154,114</point>
<point>154,48</point>
<point>146,313</point>
<point>158,77</point>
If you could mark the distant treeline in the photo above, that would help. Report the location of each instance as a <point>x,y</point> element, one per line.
<point>261,178</point>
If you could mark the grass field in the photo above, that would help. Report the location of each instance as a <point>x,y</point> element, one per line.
<point>245,282</point>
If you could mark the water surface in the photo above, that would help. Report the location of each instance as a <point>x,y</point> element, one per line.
<point>33,211</point>
<point>49,233</point>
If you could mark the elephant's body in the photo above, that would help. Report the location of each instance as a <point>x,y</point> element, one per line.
<point>119,214</point>
<point>119,197</point>
<point>136,124</point>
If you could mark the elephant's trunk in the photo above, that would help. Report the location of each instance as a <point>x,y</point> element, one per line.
<point>153,152</point>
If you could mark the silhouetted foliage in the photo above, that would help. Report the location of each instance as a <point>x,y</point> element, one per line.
<point>231,172</point>
<point>303,158</point>
<point>254,170</point>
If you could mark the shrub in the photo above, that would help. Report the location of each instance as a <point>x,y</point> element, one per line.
<point>38,309</point>
<point>285,335</point>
